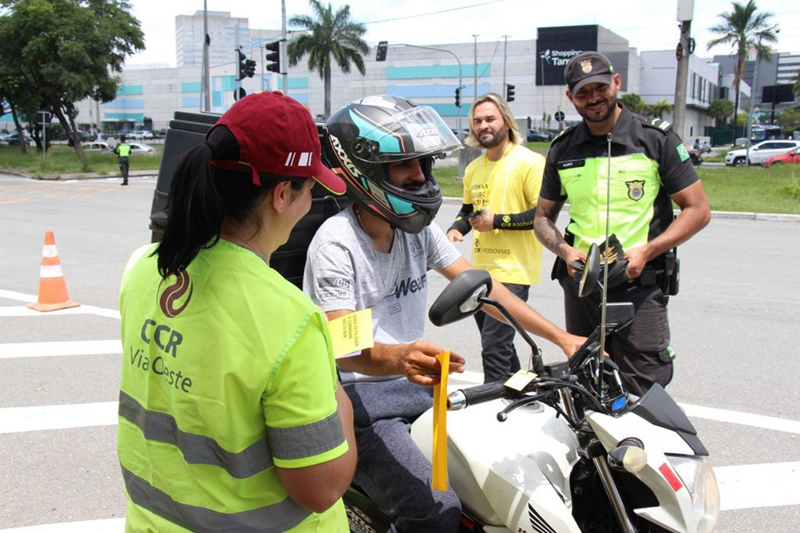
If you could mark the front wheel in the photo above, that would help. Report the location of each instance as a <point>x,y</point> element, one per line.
<point>739,162</point>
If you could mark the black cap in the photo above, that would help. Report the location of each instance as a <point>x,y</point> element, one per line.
<point>587,67</point>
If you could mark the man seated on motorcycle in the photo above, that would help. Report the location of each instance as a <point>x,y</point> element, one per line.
<point>376,254</point>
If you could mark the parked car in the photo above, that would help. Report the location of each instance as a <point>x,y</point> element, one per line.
<point>143,149</point>
<point>96,146</point>
<point>789,157</point>
<point>759,152</point>
<point>539,136</point>
<point>139,135</point>
<point>13,138</point>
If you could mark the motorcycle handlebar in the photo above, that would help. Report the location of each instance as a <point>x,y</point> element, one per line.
<point>463,398</point>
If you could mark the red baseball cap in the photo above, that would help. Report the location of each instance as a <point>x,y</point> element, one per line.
<point>276,137</point>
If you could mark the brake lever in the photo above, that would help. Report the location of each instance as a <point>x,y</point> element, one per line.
<point>502,416</point>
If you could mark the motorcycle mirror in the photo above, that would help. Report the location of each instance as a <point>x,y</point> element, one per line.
<point>591,272</point>
<point>461,297</point>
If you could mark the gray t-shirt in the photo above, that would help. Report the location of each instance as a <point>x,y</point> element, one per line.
<point>345,271</point>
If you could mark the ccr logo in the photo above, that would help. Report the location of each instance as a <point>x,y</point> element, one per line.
<point>173,293</point>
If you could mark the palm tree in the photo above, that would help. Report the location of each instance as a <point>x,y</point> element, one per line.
<point>659,108</point>
<point>744,29</point>
<point>331,36</point>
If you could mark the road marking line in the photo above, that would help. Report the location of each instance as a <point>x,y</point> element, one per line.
<point>15,311</point>
<point>9,311</point>
<point>110,525</point>
<point>762,485</point>
<point>53,349</point>
<point>745,419</point>
<point>49,417</point>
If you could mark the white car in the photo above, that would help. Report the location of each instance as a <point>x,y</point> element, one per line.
<point>142,149</point>
<point>759,152</point>
<point>96,146</point>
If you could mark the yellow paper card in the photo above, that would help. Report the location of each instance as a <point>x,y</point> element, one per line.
<point>351,333</point>
<point>520,380</point>
<point>439,477</point>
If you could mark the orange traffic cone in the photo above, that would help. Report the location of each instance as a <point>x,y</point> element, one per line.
<point>52,287</point>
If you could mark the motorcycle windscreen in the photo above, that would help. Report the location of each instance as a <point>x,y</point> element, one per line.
<point>658,408</point>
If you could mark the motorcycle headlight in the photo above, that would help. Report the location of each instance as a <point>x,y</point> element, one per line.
<point>699,479</point>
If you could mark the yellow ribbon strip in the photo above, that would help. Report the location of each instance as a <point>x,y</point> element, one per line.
<point>439,477</point>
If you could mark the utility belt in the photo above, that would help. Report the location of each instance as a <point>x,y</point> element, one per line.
<point>663,271</point>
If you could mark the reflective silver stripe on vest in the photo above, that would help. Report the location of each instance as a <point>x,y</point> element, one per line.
<point>196,449</point>
<point>272,518</point>
<point>306,441</point>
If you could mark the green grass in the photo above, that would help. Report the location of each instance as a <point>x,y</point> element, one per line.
<point>61,159</point>
<point>752,190</point>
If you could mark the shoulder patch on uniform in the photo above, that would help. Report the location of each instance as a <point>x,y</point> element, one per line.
<point>661,125</point>
<point>683,153</point>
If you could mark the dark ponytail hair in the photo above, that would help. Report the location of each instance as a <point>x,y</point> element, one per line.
<point>200,197</point>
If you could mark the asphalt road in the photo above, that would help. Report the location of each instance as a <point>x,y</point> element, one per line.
<point>734,326</point>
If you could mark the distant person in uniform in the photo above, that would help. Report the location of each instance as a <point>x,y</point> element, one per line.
<point>123,151</point>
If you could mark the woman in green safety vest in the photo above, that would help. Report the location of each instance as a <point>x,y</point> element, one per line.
<point>231,417</point>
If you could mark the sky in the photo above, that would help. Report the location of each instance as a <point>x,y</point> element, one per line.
<point>646,24</point>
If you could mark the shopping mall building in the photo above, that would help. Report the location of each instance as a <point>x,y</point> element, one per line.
<point>149,96</point>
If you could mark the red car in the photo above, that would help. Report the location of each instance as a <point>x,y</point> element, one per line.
<point>790,157</point>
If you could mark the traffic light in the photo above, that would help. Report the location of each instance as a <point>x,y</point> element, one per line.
<point>382,47</point>
<point>509,92</point>
<point>458,96</point>
<point>249,68</point>
<point>274,57</point>
<point>240,64</point>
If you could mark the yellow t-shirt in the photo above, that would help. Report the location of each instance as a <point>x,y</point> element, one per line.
<point>508,186</point>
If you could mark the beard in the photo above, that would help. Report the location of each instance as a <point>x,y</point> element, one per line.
<point>495,139</point>
<point>612,106</point>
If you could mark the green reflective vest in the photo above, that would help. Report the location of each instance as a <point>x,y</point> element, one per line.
<point>227,373</point>
<point>123,149</point>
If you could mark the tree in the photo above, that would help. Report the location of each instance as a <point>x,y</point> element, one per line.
<point>55,53</point>
<point>744,29</point>
<point>333,36</point>
<point>789,120</point>
<point>659,108</point>
<point>720,110</point>
<point>634,103</point>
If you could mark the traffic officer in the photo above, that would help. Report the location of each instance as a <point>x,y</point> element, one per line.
<point>123,151</point>
<point>649,169</point>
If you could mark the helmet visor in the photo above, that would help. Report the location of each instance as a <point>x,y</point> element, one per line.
<point>416,132</point>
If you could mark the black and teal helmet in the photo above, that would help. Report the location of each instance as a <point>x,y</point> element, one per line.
<point>364,136</point>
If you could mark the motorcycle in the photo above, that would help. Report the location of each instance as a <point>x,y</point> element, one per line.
<point>570,450</point>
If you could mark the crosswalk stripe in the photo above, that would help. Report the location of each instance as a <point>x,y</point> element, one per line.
<point>50,349</point>
<point>110,525</point>
<point>49,417</point>
<point>17,311</point>
<point>760,485</point>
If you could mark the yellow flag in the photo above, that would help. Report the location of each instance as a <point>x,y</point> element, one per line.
<point>439,478</point>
